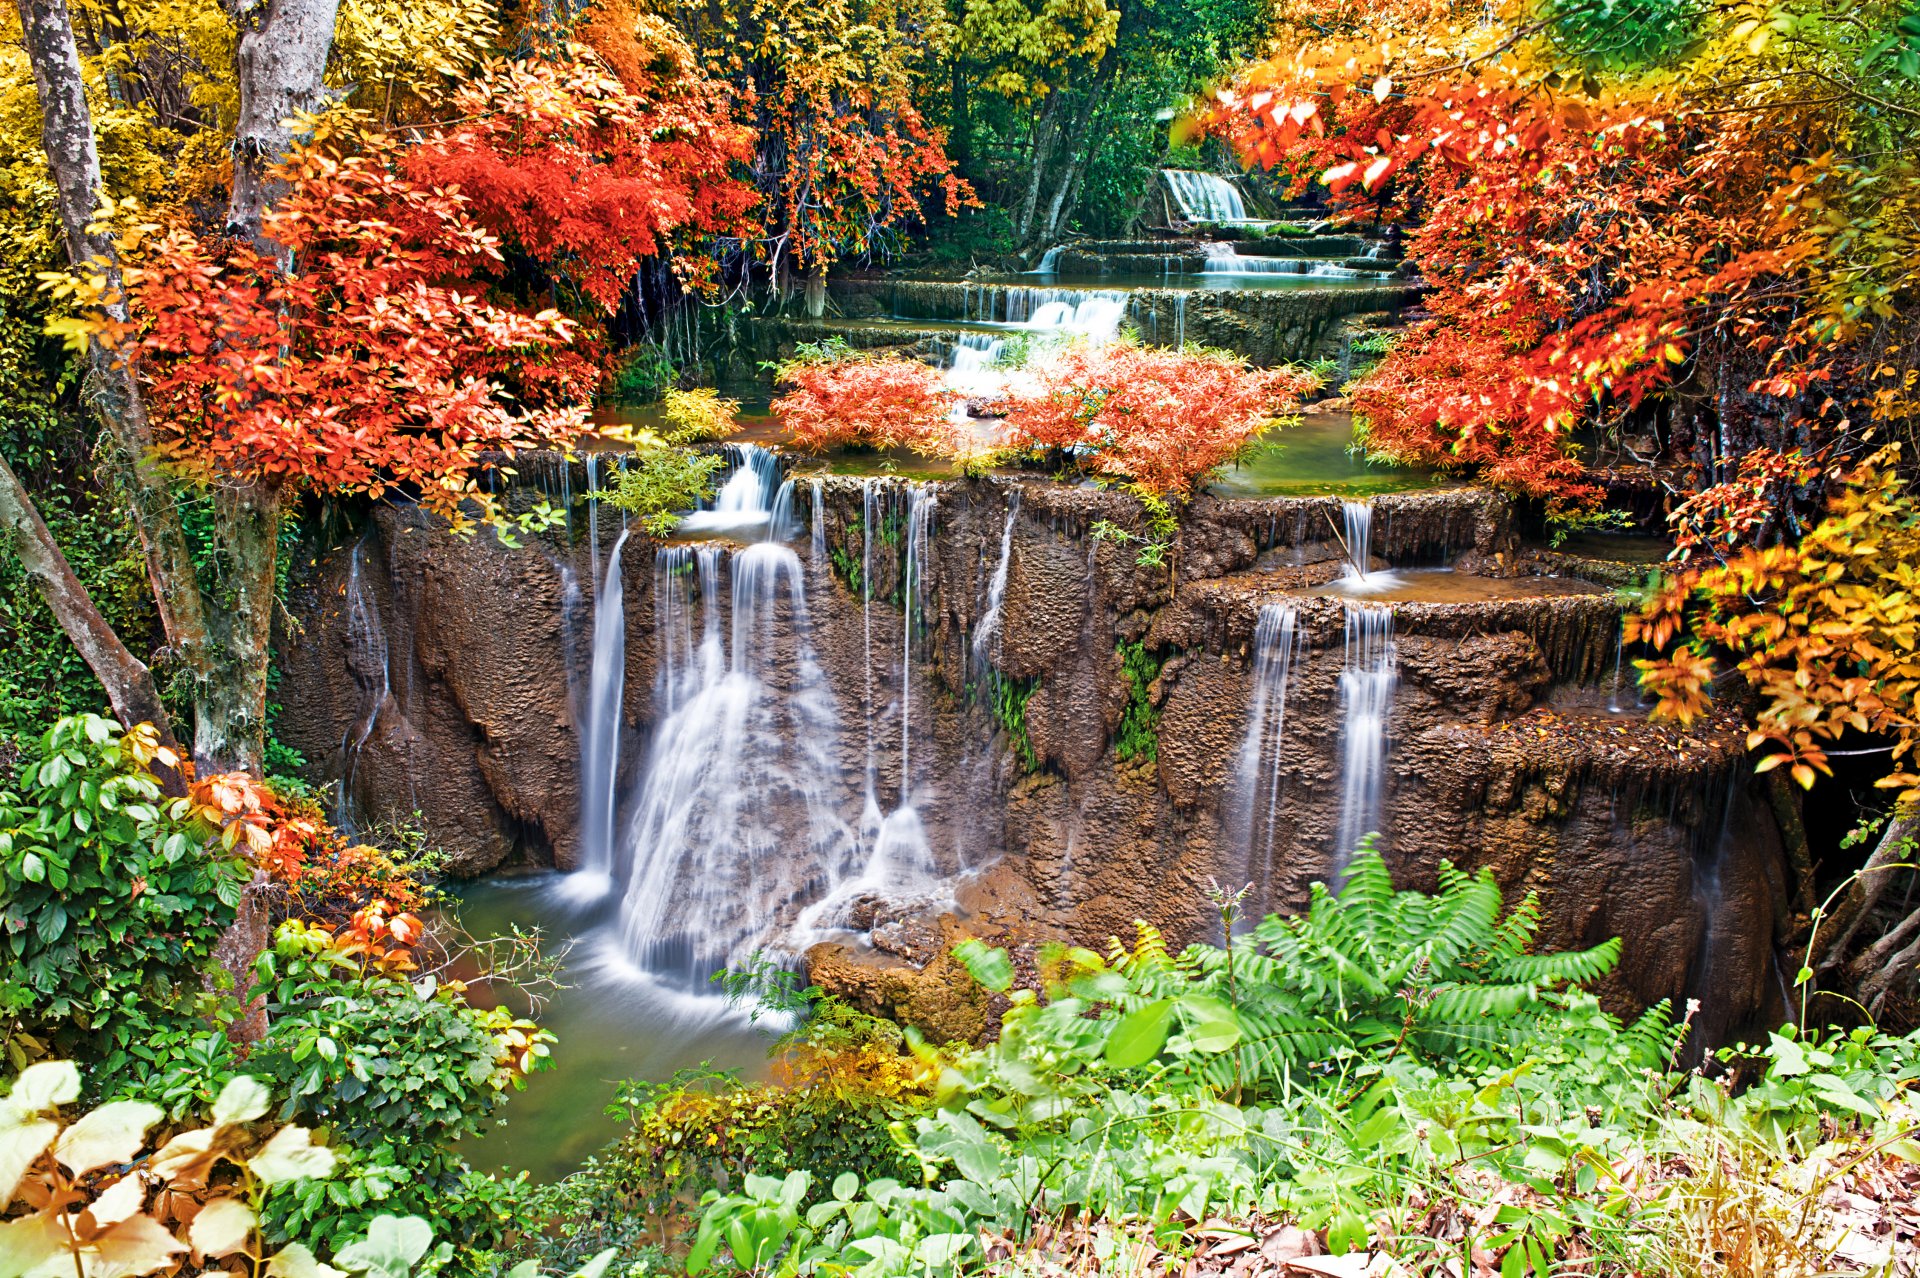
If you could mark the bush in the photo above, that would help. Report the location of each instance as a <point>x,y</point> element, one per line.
<point>698,416</point>
<point>864,401</point>
<point>1156,420</point>
<point>112,897</point>
<point>658,483</point>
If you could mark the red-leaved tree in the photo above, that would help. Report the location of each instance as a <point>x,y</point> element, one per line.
<point>370,365</point>
<point>1159,420</point>
<point>588,176</point>
<point>863,401</point>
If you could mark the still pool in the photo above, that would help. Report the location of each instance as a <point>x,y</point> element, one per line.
<point>613,1022</point>
<point>1317,457</point>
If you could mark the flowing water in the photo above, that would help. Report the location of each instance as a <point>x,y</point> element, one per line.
<point>1358,518</point>
<point>1205,197</point>
<point>1367,679</point>
<point>1276,642</point>
<point>985,634</point>
<point>371,667</point>
<point>600,732</point>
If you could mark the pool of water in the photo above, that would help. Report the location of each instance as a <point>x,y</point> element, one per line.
<point>613,1023</point>
<point>1622,548</point>
<point>1222,281</point>
<point>1444,585</point>
<point>1317,459</point>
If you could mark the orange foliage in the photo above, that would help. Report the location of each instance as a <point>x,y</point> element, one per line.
<point>1584,249</point>
<point>587,173</point>
<point>365,370</point>
<point>864,401</point>
<point>325,878</point>
<point>1158,419</point>
<point>1826,631</point>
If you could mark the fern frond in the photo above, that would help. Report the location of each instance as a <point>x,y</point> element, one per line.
<point>1573,967</point>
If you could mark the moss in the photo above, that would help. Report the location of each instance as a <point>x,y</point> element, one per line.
<point>1139,734</point>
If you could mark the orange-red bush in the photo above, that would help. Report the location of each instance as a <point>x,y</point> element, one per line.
<point>1157,419</point>
<point>884,402</point>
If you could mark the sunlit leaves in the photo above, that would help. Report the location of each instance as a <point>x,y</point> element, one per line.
<point>875,402</point>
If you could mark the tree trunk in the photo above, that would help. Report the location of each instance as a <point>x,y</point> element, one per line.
<point>281,60</point>
<point>1079,152</point>
<point>129,684</point>
<point>1864,892</point>
<point>67,135</point>
<point>1044,133</point>
<point>230,698</point>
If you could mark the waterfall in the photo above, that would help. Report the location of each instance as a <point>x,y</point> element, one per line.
<point>901,858</point>
<point>735,817</point>
<point>989,627</point>
<point>1224,259</point>
<point>1079,312</point>
<point>1205,197</point>
<point>745,503</point>
<point>593,517</point>
<point>371,666</point>
<point>817,531</point>
<point>1358,518</point>
<point>1276,640</point>
<point>970,368</point>
<point>600,736</point>
<point>1049,261</point>
<point>1366,702</point>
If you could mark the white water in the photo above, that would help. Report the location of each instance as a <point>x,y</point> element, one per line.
<point>744,506</point>
<point>600,734</point>
<point>1224,259</point>
<point>1367,681</point>
<point>970,370</point>
<point>988,630</point>
<point>735,815</point>
<point>1358,518</point>
<point>1048,261</point>
<point>1276,642</point>
<point>1205,197</point>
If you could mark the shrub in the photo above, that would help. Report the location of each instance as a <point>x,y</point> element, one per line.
<point>112,896</point>
<point>1158,420</point>
<point>864,401</point>
<point>698,416</point>
<point>658,483</point>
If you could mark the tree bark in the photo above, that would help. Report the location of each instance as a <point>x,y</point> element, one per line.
<point>282,61</point>
<point>128,683</point>
<point>1044,132</point>
<point>230,696</point>
<point>1864,892</point>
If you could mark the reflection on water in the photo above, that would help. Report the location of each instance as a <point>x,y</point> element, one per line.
<point>1317,459</point>
<point>614,1023</point>
<point>1620,548</point>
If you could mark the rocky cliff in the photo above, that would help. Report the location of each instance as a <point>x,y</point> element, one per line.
<point>1500,748</point>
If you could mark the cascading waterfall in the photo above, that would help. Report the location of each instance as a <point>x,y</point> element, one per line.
<point>1366,702</point>
<point>370,663</point>
<point>1276,641</point>
<point>1224,259</point>
<point>1358,519</point>
<point>901,858</point>
<point>744,506</point>
<point>988,630</point>
<point>1079,312</point>
<point>970,368</point>
<point>735,820</point>
<point>1049,261</point>
<point>600,736</point>
<point>1205,197</point>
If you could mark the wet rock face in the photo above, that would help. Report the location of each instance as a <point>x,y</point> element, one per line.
<point>1499,749</point>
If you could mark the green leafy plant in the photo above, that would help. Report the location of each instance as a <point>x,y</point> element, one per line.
<point>658,484</point>
<point>1010,698</point>
<point>642,377</point>
<point>1138,734</point>
<point>113,896</point>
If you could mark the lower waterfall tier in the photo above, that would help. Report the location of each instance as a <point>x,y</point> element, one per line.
<point>958,697</point>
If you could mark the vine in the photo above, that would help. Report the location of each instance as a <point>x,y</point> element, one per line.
<point>1139,733</point>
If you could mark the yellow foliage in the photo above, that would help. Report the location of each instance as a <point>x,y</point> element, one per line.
<point>384,49</point>
<point>1029,48</point>
<point>698,416</point>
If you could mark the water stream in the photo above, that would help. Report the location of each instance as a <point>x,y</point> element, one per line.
<point>1367,679</point>
<point>1205,197</point>
<point>1276,642</point>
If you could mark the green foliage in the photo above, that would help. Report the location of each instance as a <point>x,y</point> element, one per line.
<point>657,484</point>
<point>112,898</point>
<point>398,1072</point>
<point>1562,524</point>
<point>1138,736</point>
<point>1624,34</point>
<point>642,377</point>
<point>1010,697</point>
